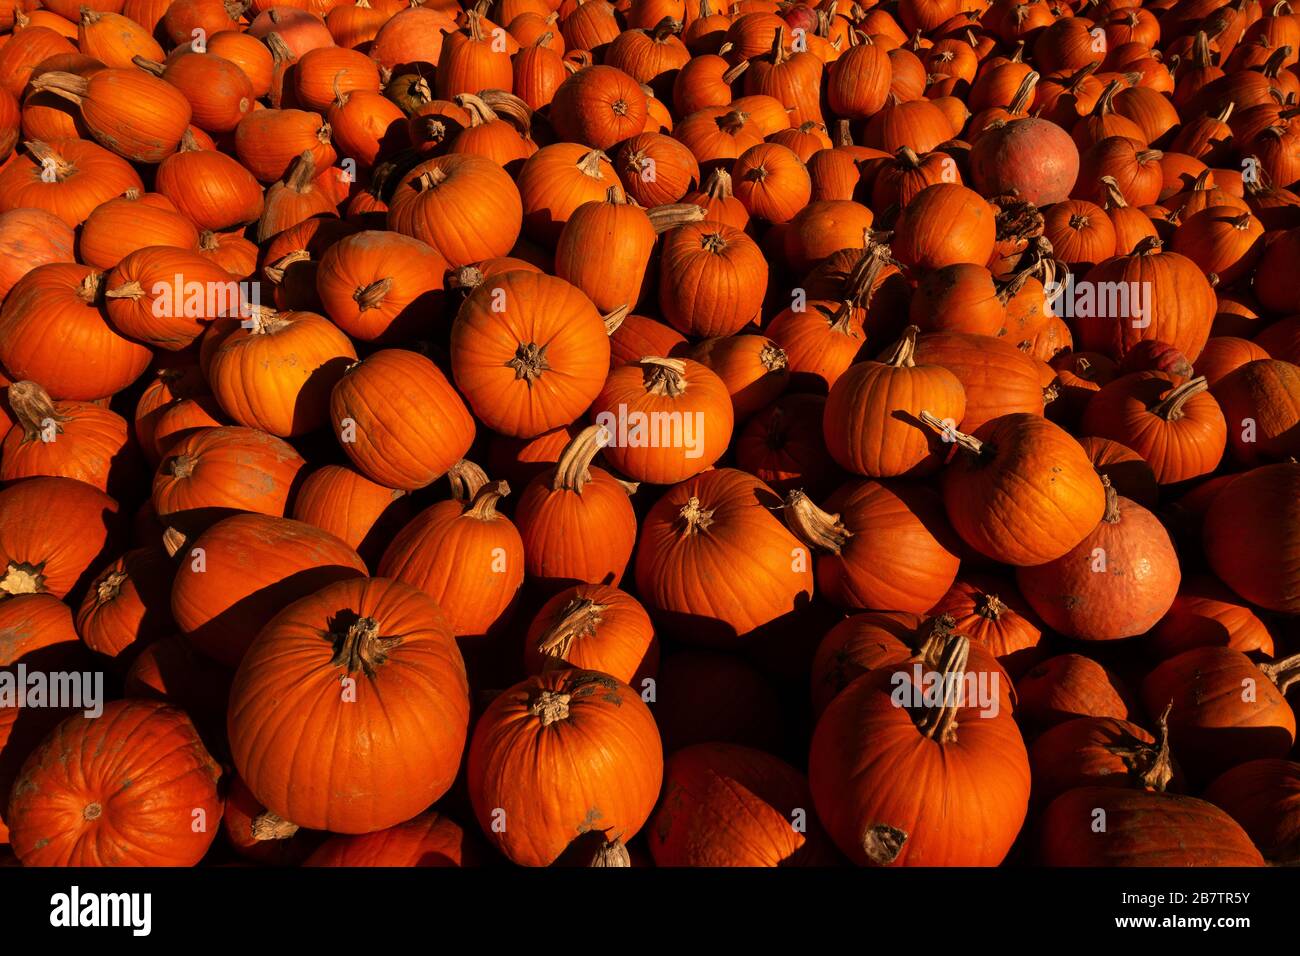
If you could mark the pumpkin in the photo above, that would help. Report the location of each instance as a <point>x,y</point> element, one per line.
<point>53,532</point>
<point>1224,354</point>
<point>1205,612</point>
<point>166,296</point>
<point>136,115</point>
<point>430,839</point>
<point>869,424</point>
<point>575,519</point>
<point>858,81</point>
<point>529,352</point>
<point>77,440</point>
<point>470,191</point>
<point>259,835</point>
<point>347,504</point>
<point>598,106</point>
<point>407,684</point>
<point>380,286</point>
<point>1250,536</point>
<point>52,332</point>
<point>31,238</point>
<point>752,367</point>
<point>656,169</point>
<point>1175,425</point>
<point>1126,470</point>
<point>1032,156</point>
<point>128,604</point>
<point>211,189</point>
<point>593,627</point>
<point>1226,709</point>
<point>215,471</point>
<point>712,279</point>
<point>121,226</point>
<point>1117,582</point>
<point>219,93</point>
<point>720,519</point>
<point>1142,829</point>
<point>268,142</point>
<point>524,744</point>
<point>1261,403</point>
<point>308,353</point>
<point>856,645</point>
<point>944,224</point>
<point>399,420</point>
<point>1099,752</point>
<point>1080,233</point>
<point>1067,686</point>
<point>848,538</point>
<point>555,181</point>
<point>137,771</point>
<point>1261,795</point>
<point>1033,476</point>
<point>237,574</point>
<point>664,419</point>
<point>867,754</point>
<point>728,805</point>
<point>991,612</point>
<point>782,446</point>
<point>297,197</point>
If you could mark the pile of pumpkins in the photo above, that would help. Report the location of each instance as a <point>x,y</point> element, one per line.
<point>651,432</point>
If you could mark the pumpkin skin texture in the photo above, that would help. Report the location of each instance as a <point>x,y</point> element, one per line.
<point>881,545</point>
<point>575,519</point>
<point>998,378</point>
<point>1096,752</point>
<point>215,472</point>
<point>1205,612</point>
<point>943,225</point>
<point>1031,156</point>
<point>1027,495</point>
<point>1252,536</point>
<point>1142,829</point>
<point>117,790</point>
<point>1067,686</point>
<point>1212,725</point>
<point>259,835</point>
<point>525,756</point>
<point>430,839</point>
<point>856,645</point>
<point>65,439</point>
<point>1261,403</point>
<point>681,392</point>
<point>712,278</point>
<point>465,555</point>
<point>383,754</point>
<point>251,566</point>
<point>727,805</point>
<point>715,564</point>
<point>593,627</point>
<point>870,422</point>
<point>347,504</point>
<point>400,420</point>
<point>867,754</point>
<point>1117,582</point>
<point>529,352</point>
<point>1263,796</point>
<point>53,533</point>
<point>128,605</point>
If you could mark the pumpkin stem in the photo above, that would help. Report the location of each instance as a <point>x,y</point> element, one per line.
<point>480,114</point>
<point>990,606</point>
<point>173,542</point>
<point>466,478</point>
<point>1111,515</point>
<point>1283,673</point>
<point>589,164</point>
<point>529,362</point>
<point>907,158</point>
<point>883,843</point>
<point>612,854</point>
<point>904,353</point>
<point>932,637</point>
<point>816,528</point>
<point>303,172</point>
<point>581,617</point>
<point>274,271</point>
<point>940,723</point>
<point>88,288</point>
<point>732,122</point>
<point>866,273</point>
<point>269,826</point>
<point>1170,408</point>
<point>48,158</point>
<point>664,376</point>
<point>109,587</point>
<point>968,442</point>
<point>263,320</point>
<point>772,357</point>
<point>778,47</point>
<point>572,470</point>
<point>551,706</point>
<point>695,518</point>
<point>71,87</point>
<point>674,214</point>
<point>842,320</point>
<point>664,29</point>
<point>1153,768</point>
<point>128,290</point>
<point>148,65</point>
<point>1114,196</point>
<point>23,578</point>
<point>372,296</point>
<point>718,186</point>
<point>1020,101</point>
<point>1148,246</point>
<point>34,410</point>
<point>360,648</point>
<point>182,466</point>
<point>484,505</point>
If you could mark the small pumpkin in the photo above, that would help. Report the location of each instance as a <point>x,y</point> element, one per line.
<point>593,627</point>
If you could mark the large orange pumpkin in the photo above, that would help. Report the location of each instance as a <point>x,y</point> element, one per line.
<point>387,744</point>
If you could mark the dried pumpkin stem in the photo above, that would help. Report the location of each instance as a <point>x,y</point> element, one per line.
<point>1283,673</point>
<point>695,517</point>
<point>968,442</point>
<point>1170,408</point>
<point>34,410</point>
<point>940,723</point>
<point>614,320</point>
<point>551,706</point>
<point>816,528</point>
<point>664,376</point>
<point>372,296</point>
<point>572,471</point>
<point>581,617</point>
<point>671,215</point>
<point>270,826</point>
<point>360,648</point>
<point>904,353</point>
<point>466,478</point>
<point>484,505</point>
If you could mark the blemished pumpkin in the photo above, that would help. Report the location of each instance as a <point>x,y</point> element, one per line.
<point>399,419</point>
<point>464,554</point>
<point>237,574</point>
<point>664,419</point>
<point>868,753</point>
<point>593,627</point>
<point>218,471</point>
<point>720,519</point>
<point>394,741</point>
<point>121,789</point>
<point>529,352</point>
<point>53,533</point>
<point>525,754</point>
<point>1115,583</point>
<point>65,439</point>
